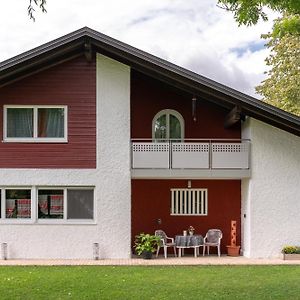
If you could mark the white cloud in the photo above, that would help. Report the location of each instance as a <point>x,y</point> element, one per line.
<point>193,34</point>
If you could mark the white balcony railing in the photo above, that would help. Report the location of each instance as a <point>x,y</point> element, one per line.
<point>190,154</point>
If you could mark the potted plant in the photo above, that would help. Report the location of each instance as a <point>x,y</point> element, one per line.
<point>291,252</point>
<point>146,244</point>
<point>191,230</point>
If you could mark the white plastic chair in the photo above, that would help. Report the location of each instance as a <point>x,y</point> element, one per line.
<point>212,239</point>
<point>164,242</point>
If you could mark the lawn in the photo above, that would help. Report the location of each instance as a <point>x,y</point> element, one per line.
<point>155,282</point>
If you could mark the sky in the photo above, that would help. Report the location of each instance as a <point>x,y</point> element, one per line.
<point>194,34</point>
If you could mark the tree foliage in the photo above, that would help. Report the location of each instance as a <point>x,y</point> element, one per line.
<point>282,87</point>
<point>248,12</point>
<point>289,24</point>
<point>33,4</point>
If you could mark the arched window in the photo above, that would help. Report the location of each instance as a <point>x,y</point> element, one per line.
<point>168,124</point>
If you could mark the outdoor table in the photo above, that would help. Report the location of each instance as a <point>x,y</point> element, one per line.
<point>188,241</point>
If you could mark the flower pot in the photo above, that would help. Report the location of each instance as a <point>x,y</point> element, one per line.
<point>291,256</point>
<point>233,250</point>
<point>191,233</point>
<point>147,255</point>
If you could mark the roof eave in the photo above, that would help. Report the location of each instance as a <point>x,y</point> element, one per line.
<point>171,73</point>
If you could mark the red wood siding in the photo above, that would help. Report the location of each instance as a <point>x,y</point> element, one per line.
<point>151,200</point>
<point>149,96</point>
<point>72,83</point>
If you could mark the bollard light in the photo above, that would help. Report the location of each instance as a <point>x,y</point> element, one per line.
<point>4,251</point>
<point>96,251</point>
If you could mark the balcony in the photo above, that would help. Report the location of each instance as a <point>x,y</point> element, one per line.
<point>191,158</point>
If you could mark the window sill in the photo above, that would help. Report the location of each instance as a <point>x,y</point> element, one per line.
<point>188,215</point>
<point>65,222</point>
<point>16,221</point>
<point>47,222</point>
<point>35,140</point>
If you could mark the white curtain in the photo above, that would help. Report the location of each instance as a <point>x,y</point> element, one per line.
<point>51,122</point>
<point>19,122</point>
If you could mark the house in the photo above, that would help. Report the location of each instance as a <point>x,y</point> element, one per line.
<point>102,141</point>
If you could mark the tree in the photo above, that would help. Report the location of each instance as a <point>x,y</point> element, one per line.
<point>41,4</point>
<point>282,87</point>
<point>248,12</point>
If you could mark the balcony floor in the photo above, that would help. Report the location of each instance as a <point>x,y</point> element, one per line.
<point>189,174</point>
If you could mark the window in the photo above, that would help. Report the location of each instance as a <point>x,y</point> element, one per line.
<point>17,203</point>
<point>80,204</point>
<point>19,122</point>
<point>168,124</point>
<point>66,203</point>
<point>55,205</point>
<point>35,123</point>
<point>50,204</point>
<point>189,202</point>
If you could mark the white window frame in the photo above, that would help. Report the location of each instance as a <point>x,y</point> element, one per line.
<point>185,209</point>
<point>168,112</point>
<point>3,206</point>
<point>65,220</point>
<point>35,138</point>
<point>34,206</point>
<point>47,220</point>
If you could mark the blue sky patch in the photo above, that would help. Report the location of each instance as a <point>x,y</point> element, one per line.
<point>252,47</point>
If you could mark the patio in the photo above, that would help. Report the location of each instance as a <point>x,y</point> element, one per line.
<point>160,261</point>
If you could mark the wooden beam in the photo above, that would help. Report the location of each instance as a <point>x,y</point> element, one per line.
<point>88,51</point>
<point>234,116</point>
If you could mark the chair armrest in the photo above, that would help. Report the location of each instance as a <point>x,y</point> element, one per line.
<point>169,238</point>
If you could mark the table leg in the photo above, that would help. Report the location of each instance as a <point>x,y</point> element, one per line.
<point>179,252</point>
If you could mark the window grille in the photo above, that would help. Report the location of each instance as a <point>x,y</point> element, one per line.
<point>189,202</point>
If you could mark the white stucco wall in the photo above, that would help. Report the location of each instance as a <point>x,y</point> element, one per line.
<point>271,197</point>
<point>111,180</point>
<point>113,156</point>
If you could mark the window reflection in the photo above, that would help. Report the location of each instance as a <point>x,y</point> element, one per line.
<point>168,124</point>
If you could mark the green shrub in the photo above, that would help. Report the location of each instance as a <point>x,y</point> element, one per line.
<point>291,250</point>
<point>145,242</point>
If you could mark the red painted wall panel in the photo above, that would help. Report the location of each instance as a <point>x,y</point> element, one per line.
<point>72,83</point>
<point>151,200</point>
<point>149,96</point>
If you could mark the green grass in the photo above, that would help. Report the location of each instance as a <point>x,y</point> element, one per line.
<point>155,282</point>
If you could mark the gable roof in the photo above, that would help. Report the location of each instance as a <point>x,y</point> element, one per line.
<point>85,40</point>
